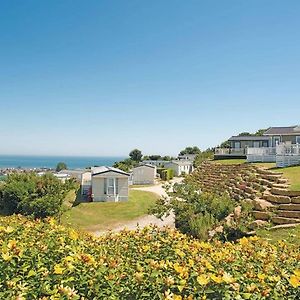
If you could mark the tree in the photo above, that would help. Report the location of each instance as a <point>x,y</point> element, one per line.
<point>244,134</point>
<point>61,166</point>
<point>154,157</point>
<point>190,150</point>
<point>260,132</point>
<point>136,155</point>
<point>30,194</point>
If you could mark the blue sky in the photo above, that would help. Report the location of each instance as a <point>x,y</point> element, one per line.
<point>103,77</point>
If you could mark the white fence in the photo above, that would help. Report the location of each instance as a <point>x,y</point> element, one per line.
<point>230,151</point>
<point>284,155</point>
<point>263,154</point>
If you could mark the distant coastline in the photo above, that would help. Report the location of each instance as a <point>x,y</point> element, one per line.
<point>73,162</point>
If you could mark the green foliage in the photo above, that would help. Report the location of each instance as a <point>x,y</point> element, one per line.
<point>30,194</point>
<point>200,224</point>
<point>61,166</point>
<point>136,155</point>
<point>42,260</point>
<point>190,150</point>
<point>244,134</point>
<point>203,156</point>
<point>154,157</point>
<point>193,208</point>
<point>165,174</point>
<point>126,165</point>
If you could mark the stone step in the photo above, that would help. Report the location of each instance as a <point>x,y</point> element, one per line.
<point>273,178</point>
<point>282,180</point>
<point>262,205</point>
<point>289,207</point>
<point>295,200</point>
<point>283,226</point>
<point>278,199</point>
<point>281,186</point>
<point>261,215</point>
<point>283,192</point>
<point>282,220</point>
<point>289,214</point>
<point>266,172</point>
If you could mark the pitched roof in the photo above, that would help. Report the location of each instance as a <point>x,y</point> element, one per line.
<point>181,162</point>
<point>74,172</point>
<point>145,165</point>
<point>290,130</point>
<point>103,169</point>
<point>249,138</point>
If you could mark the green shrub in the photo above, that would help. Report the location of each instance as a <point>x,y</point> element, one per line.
<point>30,194</point>
<point>42,260</point>
<point>200,225</point>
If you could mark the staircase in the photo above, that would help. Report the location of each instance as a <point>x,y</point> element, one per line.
<point>268,191</point>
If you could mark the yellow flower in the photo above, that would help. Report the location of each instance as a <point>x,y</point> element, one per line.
<point>244,241</point>
<point>11,244</point>
<point>297,272</point>
<point>179,253</point>
<point>203,279</point>
<point>6,256</point>
<point>216,279</point>
<point>9,229</point>
<point>294,281</point>
<point>177,297</point>
<point>261,276</point>
<point>58,269</point>
<point>52,221</point>
<point>73,235</point>
<point>146,248</point>
<point>228,278</point>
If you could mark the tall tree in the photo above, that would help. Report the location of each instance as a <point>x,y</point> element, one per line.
<point>61,166</point>
<point>190,150</point>
<point>136,155</point>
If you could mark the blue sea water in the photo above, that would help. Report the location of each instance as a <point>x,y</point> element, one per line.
<point>72,162</point>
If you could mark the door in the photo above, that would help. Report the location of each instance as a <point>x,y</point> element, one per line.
<point>276,141</point>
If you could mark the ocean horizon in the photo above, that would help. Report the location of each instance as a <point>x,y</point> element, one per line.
<point>72,162</point>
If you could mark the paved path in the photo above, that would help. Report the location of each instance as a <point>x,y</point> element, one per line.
<point>148,219</point>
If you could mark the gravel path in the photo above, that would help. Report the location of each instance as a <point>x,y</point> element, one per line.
<point>148,219</point>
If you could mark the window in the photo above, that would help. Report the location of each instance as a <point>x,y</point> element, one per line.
<point>298,139</point>
<point>276,141</point>
<point>237,145</point>
<point>265,144</point>
<point>111,186</point>
<point>256,144</point>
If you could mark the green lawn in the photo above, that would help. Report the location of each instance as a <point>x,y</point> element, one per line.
<point>293,175</point>
<point>289,235</point>
<point>230,161</point>
<point>104,215</point>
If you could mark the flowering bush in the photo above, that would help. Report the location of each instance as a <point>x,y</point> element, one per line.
<point>43,260</point>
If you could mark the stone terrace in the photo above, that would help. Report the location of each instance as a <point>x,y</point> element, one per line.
<point>267,190</point>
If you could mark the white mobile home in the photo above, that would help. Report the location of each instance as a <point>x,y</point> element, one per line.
<point>144,174</point>
<point>109,184</point>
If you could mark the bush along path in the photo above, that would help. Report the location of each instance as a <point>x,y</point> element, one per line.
<point>43,260</point>
<point>266,190</point>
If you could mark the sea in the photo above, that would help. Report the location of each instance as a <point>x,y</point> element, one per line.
<point>72,162</point>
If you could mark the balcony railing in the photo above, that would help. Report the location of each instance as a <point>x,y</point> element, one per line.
<point>230,151</point>
<point>284,149</point>
<point>261,151</point>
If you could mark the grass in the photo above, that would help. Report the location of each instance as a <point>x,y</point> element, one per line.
<point>289,235</point>
<point>293,175</point>
<point>104,215</point>
<point>230,161</point>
